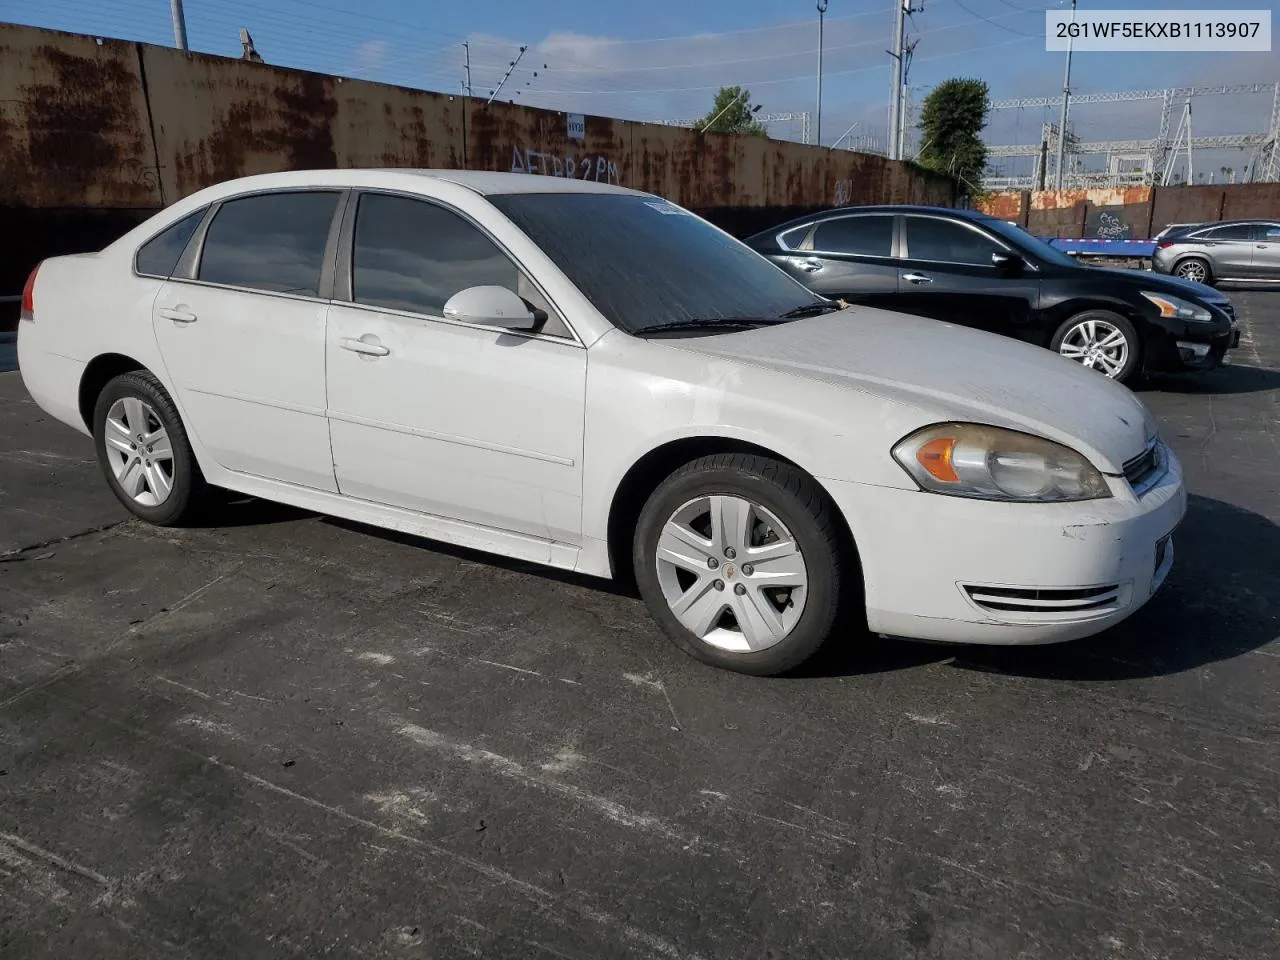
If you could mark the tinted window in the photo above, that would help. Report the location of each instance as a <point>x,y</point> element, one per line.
<point>1271,232</point>
<point>1027,244</point>
<point>869,236</point>
<point>946,241</point>
<point>794,239</point>
<point>1236,231</point>
<point>159,255</point>
<point>274,241</point>
<point>642,261</point>
<point>414,256</point>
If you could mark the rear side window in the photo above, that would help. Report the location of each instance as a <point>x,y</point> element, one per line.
<point>159,256</point>
<point>795,239</point>
<point>864,236</point>
<point>1235,231</point>
<point>945,241</point>
<point>273,242</point>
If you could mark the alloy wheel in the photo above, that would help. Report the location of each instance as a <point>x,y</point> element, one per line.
<point>732,573</point>
<point>1098,345</point>
<point>1193,270</point>
<point>139,451</point>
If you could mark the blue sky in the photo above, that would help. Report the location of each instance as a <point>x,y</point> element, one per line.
<point>665,58</point>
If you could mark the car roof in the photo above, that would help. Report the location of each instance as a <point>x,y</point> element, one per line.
<point>871,208</point>
<point>484,182</point>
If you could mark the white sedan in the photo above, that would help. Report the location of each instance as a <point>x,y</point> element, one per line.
<point>597,380</point>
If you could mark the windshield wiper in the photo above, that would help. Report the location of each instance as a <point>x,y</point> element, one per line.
<point>813,310</point>
<point>706,323</point>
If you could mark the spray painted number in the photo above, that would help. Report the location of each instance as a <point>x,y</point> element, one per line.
<point>547,164</point>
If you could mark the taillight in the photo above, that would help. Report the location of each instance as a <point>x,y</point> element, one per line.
<point>28,309</point>
<point>1164,243</point>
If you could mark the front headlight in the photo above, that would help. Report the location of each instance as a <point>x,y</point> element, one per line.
<point>990,463</point>
<point>1177,308</point>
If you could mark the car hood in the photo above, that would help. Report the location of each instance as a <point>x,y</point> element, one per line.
<point>1163,283</point>
<point>948,372</point>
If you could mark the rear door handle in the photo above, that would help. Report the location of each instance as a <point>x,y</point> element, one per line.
<point>365,347</point>
<point>917,278</point>
<point>810,265</point>
<point>176,315</point>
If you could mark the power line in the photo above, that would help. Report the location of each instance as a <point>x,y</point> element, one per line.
<point>992,20</point>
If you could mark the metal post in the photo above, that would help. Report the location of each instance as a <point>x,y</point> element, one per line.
<point>1066,102</point>
<point>1191,174</point>
<point>179,25</point>
<point>895,97</point>
<point>466,45</point>
<point>822,10</point>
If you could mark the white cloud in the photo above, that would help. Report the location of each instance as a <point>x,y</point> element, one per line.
<point>372,54</point>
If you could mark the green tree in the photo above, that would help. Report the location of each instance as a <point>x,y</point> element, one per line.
<point>951,124</point>
<point>732,113</point>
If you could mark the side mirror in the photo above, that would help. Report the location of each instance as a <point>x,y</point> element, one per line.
<point>1006,262</point>
<point>490,306</point>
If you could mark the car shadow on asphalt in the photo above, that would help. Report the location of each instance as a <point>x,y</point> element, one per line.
<point>1222,381</point>
<point>1222,599</point>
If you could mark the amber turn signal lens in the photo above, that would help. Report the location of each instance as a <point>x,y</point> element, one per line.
<point>935,456</point>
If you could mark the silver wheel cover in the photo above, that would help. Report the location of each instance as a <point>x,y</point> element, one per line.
<point>139,451</point>
<point>1098,345</point>
<point>732,573</point>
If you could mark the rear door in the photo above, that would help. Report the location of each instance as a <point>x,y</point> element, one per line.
<point>1266,252</point>
<point>241,329</point>
<point>848,256</point>
<point>947,274</point>
<point>1230,248</point>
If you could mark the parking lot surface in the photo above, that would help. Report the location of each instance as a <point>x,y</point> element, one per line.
<point>281,735</point>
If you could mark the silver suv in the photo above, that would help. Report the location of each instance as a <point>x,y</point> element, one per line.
<point>1246,250</point>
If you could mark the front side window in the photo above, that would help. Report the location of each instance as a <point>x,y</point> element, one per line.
<point>414,256</point>
<point>272,241</point>
<point>945,241</point>
<point>862,236</point>
<point>160,255</point>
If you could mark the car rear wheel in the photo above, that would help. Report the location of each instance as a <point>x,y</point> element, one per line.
<point>1100,340</point>
<point>738,559</point>
<point>1194,268</point>
<point>144,451</point>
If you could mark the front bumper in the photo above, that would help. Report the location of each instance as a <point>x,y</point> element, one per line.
<point>969,571</point>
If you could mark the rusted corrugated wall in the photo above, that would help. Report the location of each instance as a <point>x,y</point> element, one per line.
<point>94,123</point>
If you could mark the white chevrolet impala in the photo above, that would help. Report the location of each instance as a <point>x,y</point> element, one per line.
<point>594,379</point>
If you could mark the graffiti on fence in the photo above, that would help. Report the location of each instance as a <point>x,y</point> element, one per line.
<point>549,164</point>
<point>844,193</point>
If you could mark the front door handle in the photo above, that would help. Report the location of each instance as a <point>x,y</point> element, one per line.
<point>810,265</point>
<point>917,278</point>
<point>177,315</point>
<point>366,347</point>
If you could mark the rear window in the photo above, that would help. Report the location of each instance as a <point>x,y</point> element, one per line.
<point>1234,231</point>
<point>159,256</point>
<point>272,241</point>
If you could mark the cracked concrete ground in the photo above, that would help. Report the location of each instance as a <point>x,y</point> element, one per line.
<point>288,736</point>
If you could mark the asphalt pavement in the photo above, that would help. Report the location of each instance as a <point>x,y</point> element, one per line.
<point>287,736</point>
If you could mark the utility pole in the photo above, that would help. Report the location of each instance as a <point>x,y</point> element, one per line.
<point>1066,103</point>
<point>822,10</point>
<point>179,25</point>
<point>466,87</point>
<point>901,55</point>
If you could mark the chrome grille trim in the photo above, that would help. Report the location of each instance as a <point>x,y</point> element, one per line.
<point>1146,469</point>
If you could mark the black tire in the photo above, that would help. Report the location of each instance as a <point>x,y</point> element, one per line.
<point>189,494</point>
<point>1208,270</point>
<point>801,506</point>
<point>1133,363</point>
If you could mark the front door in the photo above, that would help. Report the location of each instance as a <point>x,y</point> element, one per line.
<point>469,423</point>
<point>242,337</point>
<point>947,274</point>
<point>1266,252</point>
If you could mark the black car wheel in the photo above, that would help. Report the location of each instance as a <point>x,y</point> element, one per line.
<point>1100,340</point>
<point>1194,268</point>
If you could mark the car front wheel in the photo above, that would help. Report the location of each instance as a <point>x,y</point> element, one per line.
<point>1194,269</point>
<point>144,451</point>
<point>738,559</point>
<point>1100,340</point>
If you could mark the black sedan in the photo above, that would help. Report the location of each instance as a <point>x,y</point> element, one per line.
<point>967,268</point>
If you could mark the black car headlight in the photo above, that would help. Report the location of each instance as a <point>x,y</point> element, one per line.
<point>1177,308</point>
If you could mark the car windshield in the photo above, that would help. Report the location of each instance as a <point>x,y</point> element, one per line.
<point>645,263</point>
<point>1026,243</point>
